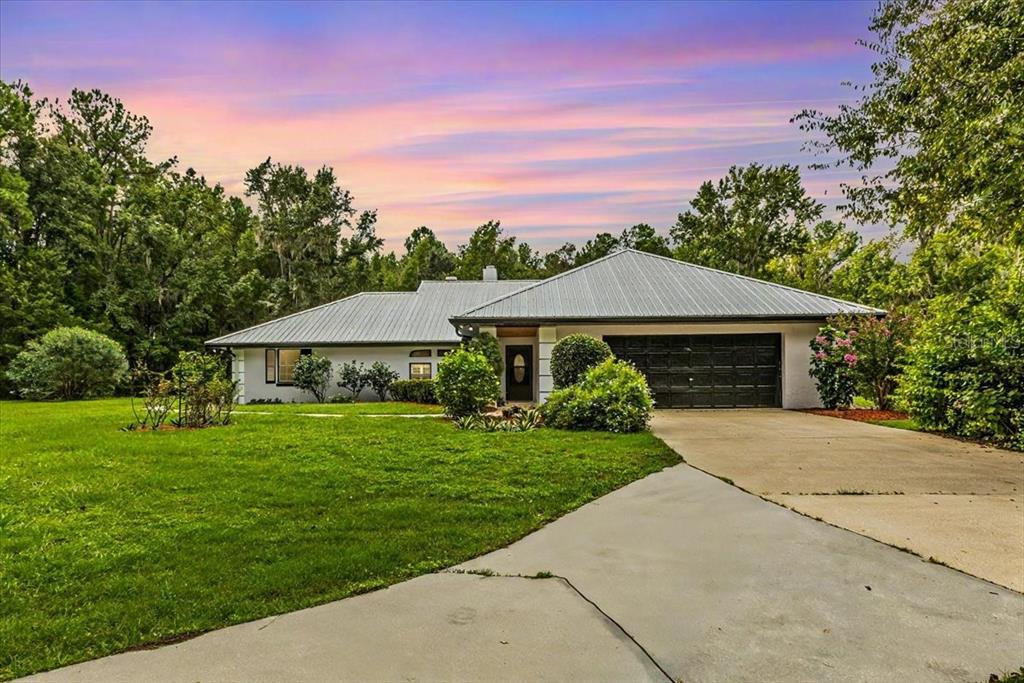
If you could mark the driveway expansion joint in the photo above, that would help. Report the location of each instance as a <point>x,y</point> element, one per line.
<point>540,576</point>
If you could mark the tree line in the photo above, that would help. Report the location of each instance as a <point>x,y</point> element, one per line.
<point>95,233</point>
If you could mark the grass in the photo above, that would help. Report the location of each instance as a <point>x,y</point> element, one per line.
<point>110,539</point>
<point>908,423</point>
<point>376,408</point>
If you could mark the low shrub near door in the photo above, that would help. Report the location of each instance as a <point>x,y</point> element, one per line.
<point>465,383</point>
<point>573,355</point>
<point>612,396</point>
<point>413,391</point>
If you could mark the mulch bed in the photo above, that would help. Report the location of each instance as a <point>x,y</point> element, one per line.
<point>859,414</point>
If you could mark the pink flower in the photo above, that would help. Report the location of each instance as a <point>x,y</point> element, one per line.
<point>843,342</point>
<point>820,355</point>
<point>820,339</point>
<point>850,358</point>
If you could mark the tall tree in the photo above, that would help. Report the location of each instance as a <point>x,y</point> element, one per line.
<point>603,244</point>
<point>426,258</point>
<point>753,215</point>
<point>938,133</point>
<point>643,237</point>
<point>488,247</point>
<point>830,246</point>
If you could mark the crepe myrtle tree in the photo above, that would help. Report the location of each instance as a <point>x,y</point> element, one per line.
<point>313,374</point>
<point>352,377</point>
<point>379,377</point>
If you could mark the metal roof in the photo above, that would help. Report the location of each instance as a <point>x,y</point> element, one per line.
<point>630,285</point>
<point>418,317</point>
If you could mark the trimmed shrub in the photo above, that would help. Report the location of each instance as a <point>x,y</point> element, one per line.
<point>572,356</point>
<point>465,383</point>
<point>413,391</point>
<point>832,366</point>
<point>68,363</point>
<point>486,345</point>
<point>380,376</point>
<point>612,396</point>
<point>313,374</point>
<point>965,370</point>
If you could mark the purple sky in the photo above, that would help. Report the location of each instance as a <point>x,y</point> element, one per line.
<point>561,120</point>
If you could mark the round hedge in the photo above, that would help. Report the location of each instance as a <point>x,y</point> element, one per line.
<point>572,356</point>
<point>465,383</point>
<point>68,363</point>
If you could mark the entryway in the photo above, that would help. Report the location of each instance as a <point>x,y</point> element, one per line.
<point>519,373</point>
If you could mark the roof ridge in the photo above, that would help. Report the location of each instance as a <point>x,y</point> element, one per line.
<point>753,279</point>
<point>538,283</point>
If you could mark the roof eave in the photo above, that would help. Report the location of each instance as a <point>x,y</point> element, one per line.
<point>213,343</point>
<point>649,319</point>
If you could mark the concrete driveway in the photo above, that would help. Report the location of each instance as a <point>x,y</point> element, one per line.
<point>957,502</point>
<point>678,576</point>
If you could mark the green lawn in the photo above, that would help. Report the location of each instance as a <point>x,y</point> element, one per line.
<point>908,423</point>
<point>375,408</point>
<point>111,539</point>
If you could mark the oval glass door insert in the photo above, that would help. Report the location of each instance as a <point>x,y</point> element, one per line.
<point>519,367</point>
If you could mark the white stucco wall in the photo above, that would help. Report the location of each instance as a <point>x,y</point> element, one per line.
<point>798,389</point>
<point>250,369</point>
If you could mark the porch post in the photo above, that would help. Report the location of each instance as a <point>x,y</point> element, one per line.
<point>238,370</point>
<point>546,338</point>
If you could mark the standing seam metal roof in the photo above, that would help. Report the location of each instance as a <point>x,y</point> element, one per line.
<point>635,285</point>
<point>377,317</point>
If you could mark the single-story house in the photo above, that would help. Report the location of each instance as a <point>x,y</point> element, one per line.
<point>703,337</point>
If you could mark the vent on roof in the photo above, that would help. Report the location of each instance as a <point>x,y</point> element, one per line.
<point>450,278</point>
<point>490,274</point>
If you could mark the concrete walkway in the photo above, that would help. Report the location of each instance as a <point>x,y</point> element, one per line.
<point>677,576</point>
<point>958,502</point>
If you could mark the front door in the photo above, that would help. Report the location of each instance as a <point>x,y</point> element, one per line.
<point>519,373</point>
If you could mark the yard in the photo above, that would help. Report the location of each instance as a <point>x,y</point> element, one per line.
<point>111,540</point>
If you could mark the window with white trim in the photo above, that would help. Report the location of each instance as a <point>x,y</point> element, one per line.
<point>420,371</point>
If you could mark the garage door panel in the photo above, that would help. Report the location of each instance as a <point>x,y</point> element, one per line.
<point>706,371</point>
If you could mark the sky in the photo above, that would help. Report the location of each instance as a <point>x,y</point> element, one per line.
<point>560,119</point>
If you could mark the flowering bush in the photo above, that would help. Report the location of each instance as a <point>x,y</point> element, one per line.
<point>465,383</point>
<point>879,346</point>
<point>833,360</point>
<point>612,396</point>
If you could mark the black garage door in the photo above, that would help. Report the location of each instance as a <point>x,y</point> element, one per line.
<point>707,370</point>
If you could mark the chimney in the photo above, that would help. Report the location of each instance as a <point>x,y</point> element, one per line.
<point>490,274</point>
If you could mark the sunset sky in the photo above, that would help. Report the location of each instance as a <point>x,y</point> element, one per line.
<point>561,120</point>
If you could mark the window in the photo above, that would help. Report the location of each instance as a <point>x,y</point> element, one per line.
<point>419,371</point>
<point>420,353</point>
<point>519,368</point>
<point>441,353</point>
<point>271,358</point>
<point>286,365</point>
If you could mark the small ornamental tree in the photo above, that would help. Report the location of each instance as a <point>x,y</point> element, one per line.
<point>486,345</point>
<point>352,377</point>
<point>573,355</point>
<point>465,383</point>
<point>832,366</point>
<point>379,377</point>
<point>206,395</point>
<point>880,345</point>
<point>68,363</point>
<point>312,373</point>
